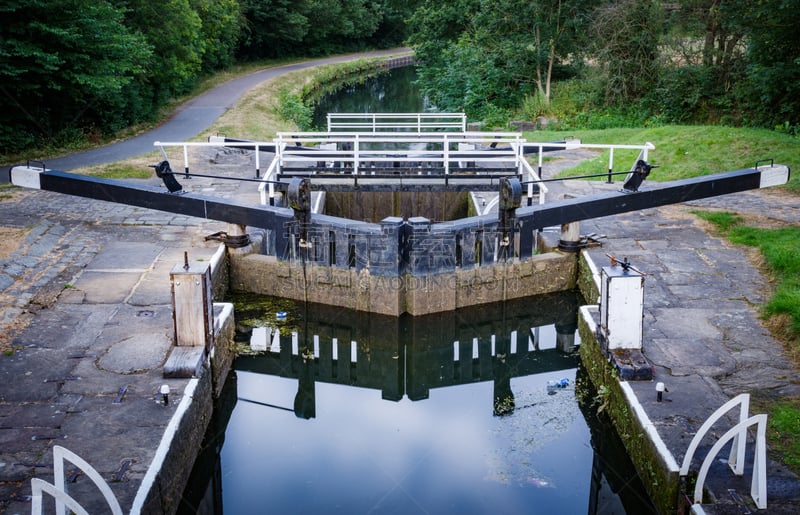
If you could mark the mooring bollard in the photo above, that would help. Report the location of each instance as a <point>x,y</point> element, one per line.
<point>570,240</point>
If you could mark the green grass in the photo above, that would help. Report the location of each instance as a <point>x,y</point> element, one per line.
<point>121,170</point>
<point>684,151</point>
<point>780,248</point>
<point>784,426</point>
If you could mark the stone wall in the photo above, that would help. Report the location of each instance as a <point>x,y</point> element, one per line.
<point>662,485</point>
<point>369,205</point>
<point>417,294</point>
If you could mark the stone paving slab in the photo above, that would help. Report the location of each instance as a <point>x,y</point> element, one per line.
<point>701,295</point>
<point>108,330</point>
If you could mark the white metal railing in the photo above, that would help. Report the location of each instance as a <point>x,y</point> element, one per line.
<point>357,151</point>
<point>186,145</point>
<point>736,458</point>
<point>385,122</point>
<point>577,144</point>
<point>59,489</point>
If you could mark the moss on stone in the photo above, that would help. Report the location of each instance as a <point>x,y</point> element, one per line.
<point>662,485</point>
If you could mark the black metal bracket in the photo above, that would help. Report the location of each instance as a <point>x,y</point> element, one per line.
<point>637,176</point>
<point>165,173</point>
<point>299,196</point>
<point>510,199</point>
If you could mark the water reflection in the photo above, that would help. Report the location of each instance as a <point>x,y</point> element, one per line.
<point>395,91</point>
<point>409,356</point>
<point>477,413</point>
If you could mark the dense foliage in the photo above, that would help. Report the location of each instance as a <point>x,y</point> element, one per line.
<point>633,61</point>
<point>72,70</point>
<point>484,56</point>
<point>77,69</point>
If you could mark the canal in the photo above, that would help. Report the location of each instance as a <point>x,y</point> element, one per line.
<point>481,410</point>
<point>395,91</point>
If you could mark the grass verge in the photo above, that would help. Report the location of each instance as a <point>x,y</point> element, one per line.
<point>779,247</point>
<point>684,151</point>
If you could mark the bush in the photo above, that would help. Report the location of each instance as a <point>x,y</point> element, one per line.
<point>534,106</point>
<point>291,108</point>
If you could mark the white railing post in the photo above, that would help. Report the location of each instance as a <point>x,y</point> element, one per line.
<point>737,456</point>
<point>610,164</point>
<point>186,160</point>
<point>60,454</point>
<point>356,149</point>
<point>446,155</point>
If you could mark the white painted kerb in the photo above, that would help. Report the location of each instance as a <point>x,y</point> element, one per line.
<point>163,447</point>
<point>633,402</point>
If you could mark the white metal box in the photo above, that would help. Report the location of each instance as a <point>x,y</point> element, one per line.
<point>621,307</point>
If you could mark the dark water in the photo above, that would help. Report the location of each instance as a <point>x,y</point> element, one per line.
<point>402,422</point>
<point>462,412</point>
<point>390,92</point>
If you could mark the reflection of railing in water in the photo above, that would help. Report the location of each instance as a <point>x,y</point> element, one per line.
<point>410,355</point>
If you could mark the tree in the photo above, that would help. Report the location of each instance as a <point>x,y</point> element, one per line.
<point>313,27</point>
<point>392,30</point>
<point>477,52</point>
<point>273,28</point>
<point>772,82</point>
<point>340,25</point>
<point>61,63</point>
<point>531,38</point>
<point>626,39</point>
<point>220,24</point>
<point>173,29</point>
<point>435,25</point>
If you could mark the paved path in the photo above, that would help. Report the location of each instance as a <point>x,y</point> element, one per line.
<point>85,313</point>
<point>195,116</point>
<point>85,301</point>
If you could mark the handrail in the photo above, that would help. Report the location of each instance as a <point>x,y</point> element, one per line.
<point>736,458</point>
<point>59,489</point>
<point>509,148</point>
<point>412,120</point>
<point>758,484</point>
<point>40,486</point>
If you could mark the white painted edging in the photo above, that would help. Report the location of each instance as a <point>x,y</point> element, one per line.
<point>633,402</point>
<point>649,427</point>
<point>163,447</point>
<point>217,258</point>
<point>594,270</point>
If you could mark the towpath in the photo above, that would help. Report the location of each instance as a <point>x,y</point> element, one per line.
<point>85,302</point>
<point>702,329</point>
<point>86,317</point>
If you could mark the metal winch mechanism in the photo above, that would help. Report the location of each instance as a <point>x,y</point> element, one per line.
<point>510,198</point>
<point>299,197</point>
<point>634,179</point>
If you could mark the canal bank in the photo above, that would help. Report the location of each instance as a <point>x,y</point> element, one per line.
<point>703,336</point>
<point>98,309</point>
